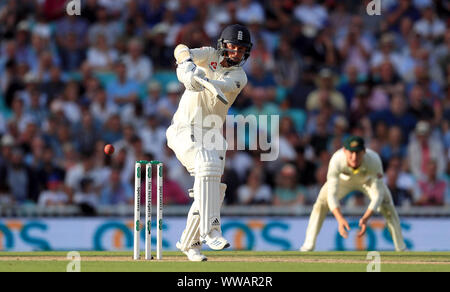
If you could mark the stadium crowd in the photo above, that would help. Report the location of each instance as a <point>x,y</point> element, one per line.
<point>71,84</point>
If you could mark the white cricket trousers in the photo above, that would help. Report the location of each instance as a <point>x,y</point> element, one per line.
<point>320,211</point>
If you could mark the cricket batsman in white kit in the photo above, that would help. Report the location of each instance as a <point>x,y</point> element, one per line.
<point>354,168</point>
<point>213,78</point>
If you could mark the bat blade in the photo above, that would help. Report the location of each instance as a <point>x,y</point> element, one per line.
<point>211,88</point>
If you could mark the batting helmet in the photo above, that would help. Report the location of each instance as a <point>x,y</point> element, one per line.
<point>238,35</point>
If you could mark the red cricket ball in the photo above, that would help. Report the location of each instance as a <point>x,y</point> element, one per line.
<point>109,149</point>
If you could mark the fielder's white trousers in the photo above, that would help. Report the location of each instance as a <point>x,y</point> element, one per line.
<point>321,209</point>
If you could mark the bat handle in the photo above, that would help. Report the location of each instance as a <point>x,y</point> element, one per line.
<point>222,99</point>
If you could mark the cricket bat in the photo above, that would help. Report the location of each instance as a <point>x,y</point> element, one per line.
<point>217,92</point>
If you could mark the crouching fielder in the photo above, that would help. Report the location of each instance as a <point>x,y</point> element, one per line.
<point>187,136</point>
<point>354,168</point>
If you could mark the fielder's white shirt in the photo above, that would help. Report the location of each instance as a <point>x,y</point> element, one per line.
<point>368,176</point>
<point>196,106</point>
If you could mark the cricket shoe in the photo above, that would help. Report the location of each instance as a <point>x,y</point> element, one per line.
<point>216,241</point>
<point>193,253</point>
<point>306,249</point>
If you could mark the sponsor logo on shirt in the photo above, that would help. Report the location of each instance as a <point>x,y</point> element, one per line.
<point>213,66</point>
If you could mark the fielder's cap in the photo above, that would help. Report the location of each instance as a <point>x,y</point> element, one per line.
<point>354,144</point>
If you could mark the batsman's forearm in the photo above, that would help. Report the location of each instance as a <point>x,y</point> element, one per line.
<point>226,85</point>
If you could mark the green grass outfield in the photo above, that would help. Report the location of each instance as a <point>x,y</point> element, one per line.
<point>228,261</point>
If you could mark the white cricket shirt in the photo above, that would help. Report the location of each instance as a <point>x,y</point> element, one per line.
<point>367,178</point>
<point>194,107</point>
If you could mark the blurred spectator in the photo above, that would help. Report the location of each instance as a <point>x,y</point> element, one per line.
<point>318,129</point>
<point>168,106</point>
<point>70,102</point>
<point>153,136</point>
<point>261,106</point>
<point>288,192</point>
<point>401,9</point>
<point>386,53</point>
<point>139,67</point>
<point>116,192</point>
<point>249,10</point>
<point>418,105</point>
<point>311,14</point>
<point>101,108</point>
<point>429,27</point>
<point>360,108</point>
<point>100,55</point>
<point>288,139</point>
<point>396,115</point>
<point>6,198</point>
<point>87,131</point>
<point>350,83</point>
<point>325,92</point>
<point>173,194</point>
<point>154,95</point>
<point>54,86</point>
<point>320,177</point>
<point>355,49</point>
<point>400,196</point>
<point>254,191</point>
<point>86,197</point>
<point>112,129</point>
<point>85,169</point>
<point>47,168</point>
<point>89,10</point>
<point>441,57</point>
<point>72,52</point>
<point>36,109</point>
<point>103,26</point>
<point>53,194</point>
<point>321,51</point>
<point>122,91</point>
<point>433,187</point>
<point>72,25</point>
<point>288,65</point>
<point>394,146</point>
<point>303,87</point>
<point>176,171</point>
<point>260,77</point>
<point>157,48</point>
<point>186,12</point>
<point>305,168</point>
<point>19,178</point>
<point>154,11</point>
<point>385,86</point>
<point>423,150</point>
<point>19,115</point>
<point>193,34</point>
